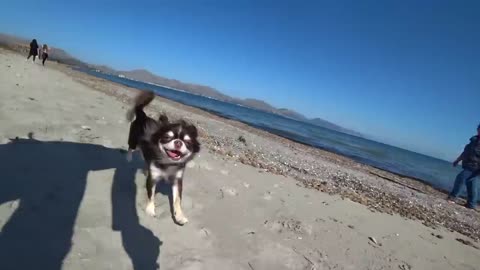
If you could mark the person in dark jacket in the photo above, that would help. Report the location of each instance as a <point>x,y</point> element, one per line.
<point>33,50</point>
<point>470,159</point>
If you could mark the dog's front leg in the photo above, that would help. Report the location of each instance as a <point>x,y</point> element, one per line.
<point>150,209</point>
<point>153,176</point>
<point>177,189</point>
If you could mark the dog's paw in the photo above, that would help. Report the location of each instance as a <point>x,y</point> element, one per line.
<point>150,209</point>
<point>180,219</point>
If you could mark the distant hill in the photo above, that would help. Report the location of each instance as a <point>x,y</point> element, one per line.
<point>292,114</point>
<point>257,104</point>
<point>21,45</point>
<point>103,68</point>
<point>147,76</point>
<point>329,125</point>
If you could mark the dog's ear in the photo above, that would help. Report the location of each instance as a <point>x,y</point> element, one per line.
<point>196,146</point>
<point>192,130</point>
<point>163,119</point>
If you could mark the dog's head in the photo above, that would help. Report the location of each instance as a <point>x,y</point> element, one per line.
<point>177,141</point>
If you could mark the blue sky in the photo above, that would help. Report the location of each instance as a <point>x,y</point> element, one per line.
<point>403,72</point>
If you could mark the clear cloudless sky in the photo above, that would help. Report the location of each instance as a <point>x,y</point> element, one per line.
<point>405,73</point>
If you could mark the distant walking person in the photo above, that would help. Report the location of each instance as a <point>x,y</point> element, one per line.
<point>33,50</point>
<point>40,51</point>
<point>44,53</point>
<point>470,159</point>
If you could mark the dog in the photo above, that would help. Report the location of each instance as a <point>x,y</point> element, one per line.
<point>166,148</point>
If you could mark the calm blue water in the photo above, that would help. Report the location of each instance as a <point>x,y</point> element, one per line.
<point>437,172</point>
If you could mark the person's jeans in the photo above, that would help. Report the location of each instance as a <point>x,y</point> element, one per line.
<point>471,187</point>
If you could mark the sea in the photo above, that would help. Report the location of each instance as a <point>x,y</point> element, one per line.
<point>436,172</point>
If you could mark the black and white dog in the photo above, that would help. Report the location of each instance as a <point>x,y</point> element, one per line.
<point>166,148</point>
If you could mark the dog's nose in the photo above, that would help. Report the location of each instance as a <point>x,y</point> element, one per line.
<point>178,144</point>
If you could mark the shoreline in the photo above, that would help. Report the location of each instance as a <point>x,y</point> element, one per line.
<point>261,132</point>
<point>342,159</point>
<point>306,144</point>
<point>379,190</point>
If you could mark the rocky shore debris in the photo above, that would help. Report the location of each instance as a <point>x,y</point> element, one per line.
<point>405,266</point>
<point>467,243</point>
<point>374,241</point>
<point>412,200</point>
<point>437,236</point>
<point>242,140</point>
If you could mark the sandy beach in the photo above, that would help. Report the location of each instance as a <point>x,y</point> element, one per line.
<point>69,200</point>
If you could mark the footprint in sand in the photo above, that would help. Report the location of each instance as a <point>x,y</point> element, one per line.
<point>189,204</point>
<point>204,233</point>
<point>205,166</point>
<point>289,225</point>
<point>228,191</point>
<point>267,196</point>
<point>231,191</point>
<point>101,122</point>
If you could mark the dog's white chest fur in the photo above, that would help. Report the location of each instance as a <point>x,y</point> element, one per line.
<point>170,173</point>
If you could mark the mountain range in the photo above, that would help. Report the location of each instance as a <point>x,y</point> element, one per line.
<point>21,45</point>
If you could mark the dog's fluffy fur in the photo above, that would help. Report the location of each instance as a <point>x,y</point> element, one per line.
<point>166,147</point>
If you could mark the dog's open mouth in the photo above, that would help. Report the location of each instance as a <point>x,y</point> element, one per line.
<point>174,154</point>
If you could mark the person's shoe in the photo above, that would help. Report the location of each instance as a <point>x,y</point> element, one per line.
<point>451,199</point>
<point>474,208</point>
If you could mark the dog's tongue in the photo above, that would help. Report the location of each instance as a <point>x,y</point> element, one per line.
<point>173,154</point>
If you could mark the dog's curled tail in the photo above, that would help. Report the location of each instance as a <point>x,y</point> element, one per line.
<point>141,101</point>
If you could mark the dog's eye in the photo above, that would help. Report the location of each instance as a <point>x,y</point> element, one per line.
<point>187,139</point>
<point>167,136</point>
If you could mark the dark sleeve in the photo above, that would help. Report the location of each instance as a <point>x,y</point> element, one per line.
<point>477,150</point>
<point>465,150</point>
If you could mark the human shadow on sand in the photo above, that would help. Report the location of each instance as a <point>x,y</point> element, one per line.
<point>48,179</point>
